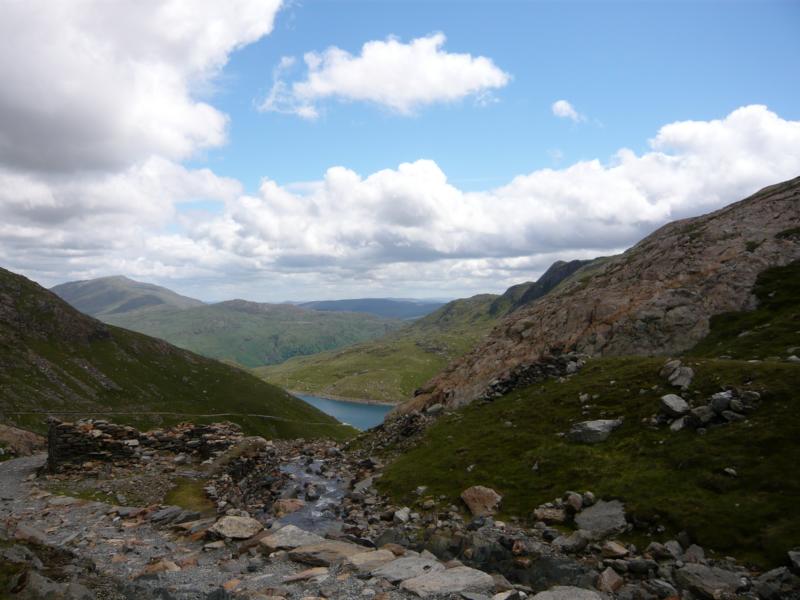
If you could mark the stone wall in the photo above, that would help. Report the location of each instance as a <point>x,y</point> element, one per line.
<point>101,440</point>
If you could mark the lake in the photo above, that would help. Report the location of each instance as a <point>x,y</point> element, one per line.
<point>361,416</point>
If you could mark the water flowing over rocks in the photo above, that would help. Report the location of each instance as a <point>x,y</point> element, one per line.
<point>344,543</point>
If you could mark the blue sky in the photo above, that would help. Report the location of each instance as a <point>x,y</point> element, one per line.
<point>629,66</point>
<point>273,150</point>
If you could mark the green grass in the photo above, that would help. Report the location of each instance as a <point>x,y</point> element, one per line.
<point>771,330</point>
<point>58,361</point>
<point>189,494</point>
<point>391,368</point>
<point>253,335</point>
<point>675,479</point>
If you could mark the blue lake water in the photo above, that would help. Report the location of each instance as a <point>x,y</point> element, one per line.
<point>360,416</point>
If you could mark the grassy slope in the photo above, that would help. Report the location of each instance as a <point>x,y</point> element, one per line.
<point>675,479</point>
<point>253,334</point>
<point>392,367</point>
<point>56,359</point>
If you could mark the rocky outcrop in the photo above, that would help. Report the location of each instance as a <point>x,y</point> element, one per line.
<point>655,299</point>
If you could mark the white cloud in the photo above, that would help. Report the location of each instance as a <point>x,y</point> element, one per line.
<point>565,110</point>
<point>401,77</point>
<point>406,230</point>
<point>96,84</point>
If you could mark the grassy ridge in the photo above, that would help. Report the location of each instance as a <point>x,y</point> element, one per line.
<point>392,367</point>
<point>251,334</point>
<point>57,360</point>
<point>675,479</point>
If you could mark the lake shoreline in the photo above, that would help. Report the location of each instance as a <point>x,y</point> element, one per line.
<point>343,398</point>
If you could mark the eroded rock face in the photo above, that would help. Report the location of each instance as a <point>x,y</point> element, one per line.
<point>655,299</point>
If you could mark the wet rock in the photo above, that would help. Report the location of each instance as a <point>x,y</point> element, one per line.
<point>481,501</point>
<point>237,528</point>
<point>708,582</point>
<point>593,432</point>
<point>602,519</point>
<point>286,506</point>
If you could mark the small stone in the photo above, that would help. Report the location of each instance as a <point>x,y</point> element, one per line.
<point>402,515</point>
<point>593,432</point>
<point>572,543</point>
<point>602,519</point>
<point>674,406</point>
<point>312,573</point>
<point>238,528</point>
<point>730,471</point>
<point>286,506</point>
<point>550,515</point>
<point>612,549</point>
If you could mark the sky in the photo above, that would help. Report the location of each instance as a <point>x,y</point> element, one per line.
<point>314,149</point>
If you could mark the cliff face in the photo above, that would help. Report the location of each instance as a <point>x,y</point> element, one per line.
<point>655,299</point>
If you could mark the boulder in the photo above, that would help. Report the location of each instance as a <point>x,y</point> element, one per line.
<point>707,582</point>
<point>366,562</point>
<point>682,377</point>
<point>609,581</point>
<point>481,501</point>
<point>325,553</point>
<point>407,567</point>
<point>778,584</point>
<point>550,515</point>
<point>603,518</point>
<point>289,538</point>
<point>674,406</point>
<point>593,432</point>
<point>567,592</point>
<point>572,543</point>
<point>451,581</point>
<point>236,528</point>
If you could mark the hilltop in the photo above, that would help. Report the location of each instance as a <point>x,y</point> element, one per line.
<point>387,308</point>
<point>657,298</point>
<point>57,360</point>
<point>252,334</point>
<point>390,368</point>
<point>118,295</point>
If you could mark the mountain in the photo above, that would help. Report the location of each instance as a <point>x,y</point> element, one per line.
<point>389,369</point>
<point>657,298</point>
<point>380,307</point>
<point>56,360</point>
<point>253,334</point>
<point>119,295</point>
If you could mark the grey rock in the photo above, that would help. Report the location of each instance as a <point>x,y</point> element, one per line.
<point>674,406</point>
<point>603,518</point>
<point>778,584</point>
<point>325,553</point>
<point>450,581</point>
<point>701,416</point>
<point>289,538</point>
<point>721,401</point>
<point>708,582</point>
<point>238,528</point>
<point>661,588</point>
<point>794,560</point>
<point>572,543</point>
<point>593,432</point>
<point>567,592</point>
<point>407,567</point>
<point>682,377</point>
<point>366,562</point>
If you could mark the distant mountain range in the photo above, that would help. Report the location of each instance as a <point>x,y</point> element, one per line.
<point>392,367</point>
<point>389,308</point>
<point>56,360</point>
<point>249,334</point>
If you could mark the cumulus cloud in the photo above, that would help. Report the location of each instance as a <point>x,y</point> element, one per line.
<point>408,228</point>
<point>564,110</point>
<point>99,85</point>
<point>401,77</point>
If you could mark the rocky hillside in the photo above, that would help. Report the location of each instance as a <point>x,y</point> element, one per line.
<point>387,308</point>
<point>389,369</point>
<point>118,295</point>
<point>655,299</point>
<point>55,360</point>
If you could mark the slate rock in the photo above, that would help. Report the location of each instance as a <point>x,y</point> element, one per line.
<point>603,518</point>
<point>407,567</point>
<point>289,538</point>
<point>325,553</point>
<point>366,562</point>
<point>567,592</point>
<point>707,582</point>
<point>450,581</point>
